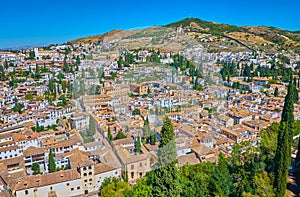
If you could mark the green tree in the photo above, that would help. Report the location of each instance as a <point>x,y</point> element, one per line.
<point>146,133</point>
<point>37,72</point>
<point>29,97</point>
<point>136,112</point>
<point>51,161</point>
<point>64,85</point>
<point>66,67</point>
<point>92,126</point>
<point>115,189</point>
<point>141,189</point>
<point>109,135</point>
<point>222,183</point>
<point>164,179</point>
<point>35,168</point>
<point>78,60</point>
<point>6,64</point>
<point>263,185</point>
<point>18,107</point>
<point>120,135</point>
<point>282,159</point>
<point>138,145</point>
<point>153,138</point>
<point>51,85</point>
<point>276,92</point>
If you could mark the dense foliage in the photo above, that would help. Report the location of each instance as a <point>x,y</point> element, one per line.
<point>248,172</point>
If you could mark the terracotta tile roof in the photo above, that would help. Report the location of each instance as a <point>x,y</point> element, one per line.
<point>29,124</point>
<point>78,158</point>
<point>202,150</point>
<point>19,137</point>
<point>12,160</point>
<point>33,151</point>
<point>101,168</point>
<point>47,179</point>
<point>9,148</point>
<point>188,159</point>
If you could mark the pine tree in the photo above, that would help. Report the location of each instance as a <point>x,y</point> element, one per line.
<point>276,92</point>
<point>283,152</point>
<point>52,166</point>
<point>164,179</point>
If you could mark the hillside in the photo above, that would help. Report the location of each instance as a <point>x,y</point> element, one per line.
<point>220,37</point>
<point>202,26</point>
<point>95,39</point>
<point>255,36</point>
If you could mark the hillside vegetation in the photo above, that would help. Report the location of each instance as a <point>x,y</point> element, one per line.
<point>221,36</point>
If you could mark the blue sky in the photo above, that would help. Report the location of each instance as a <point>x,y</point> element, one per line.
<point>43,22</point>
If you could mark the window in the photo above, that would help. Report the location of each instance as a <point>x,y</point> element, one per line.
<point>85,174</point>
<point>132,167</point>
<point>78,188</point>
<point>85,180</point>
<point>50,188</point>
<point>141,164</point>
<point>90,167</point>
<point>68,184</point>
<point>26,192</point>
<point>72,189</point>
<point>132,175</point>
<point>90,173</point>
<point>90,179</point>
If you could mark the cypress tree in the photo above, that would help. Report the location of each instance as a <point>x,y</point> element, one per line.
<point>153,138</point>
<point>109,135</point>
<point>138,145</point>
<point>164,179</point>
<point>92,126</point>
<point>276,92</point>
<point>51,161</point>
<point>146,130</point>
<point>283,151</point>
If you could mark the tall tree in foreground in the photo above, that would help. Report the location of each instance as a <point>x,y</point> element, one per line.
<point>164,179</point>
<point>283,152</point>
